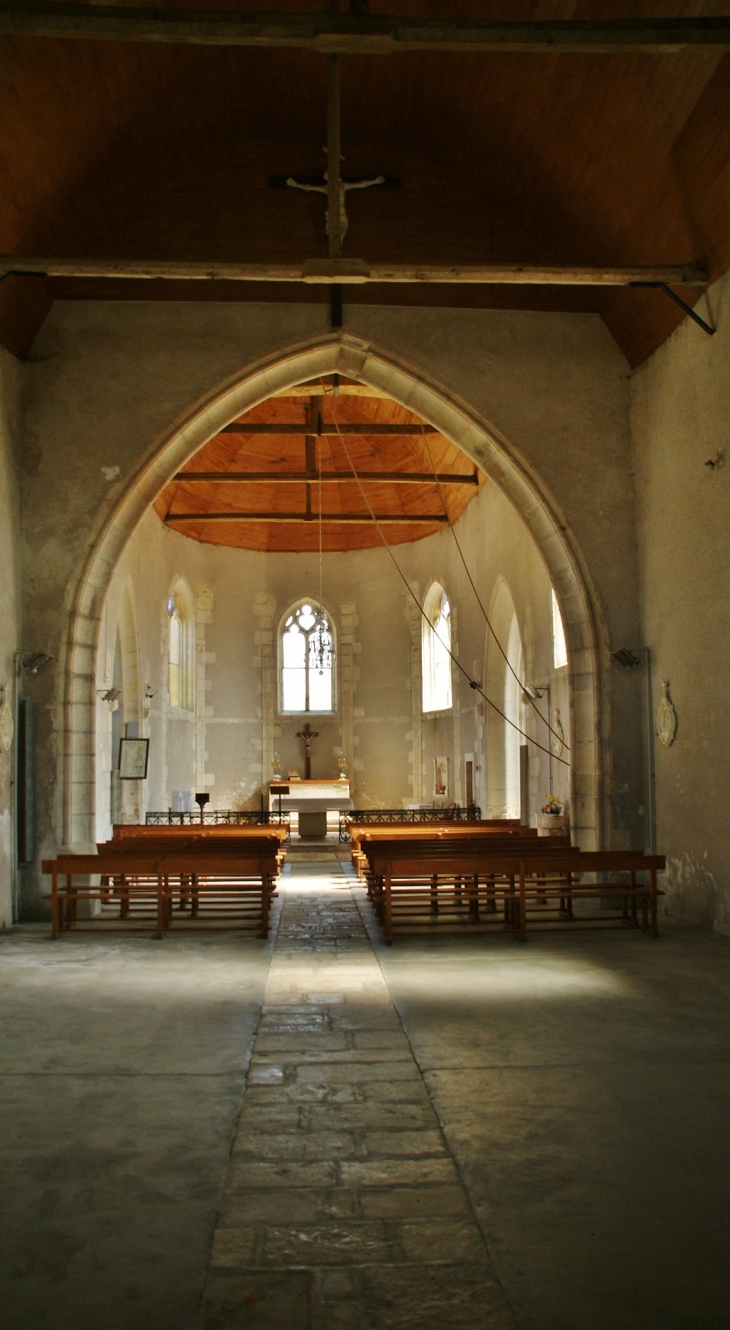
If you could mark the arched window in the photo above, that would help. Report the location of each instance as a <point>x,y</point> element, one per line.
<point>435,648</point>
<point>560,650</point>
<point>181,647</point>
<point>307,659</point>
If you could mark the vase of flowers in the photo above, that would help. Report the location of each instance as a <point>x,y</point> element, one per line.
<point>551,821</point>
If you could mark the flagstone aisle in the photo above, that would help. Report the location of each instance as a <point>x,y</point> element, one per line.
<point>342,1208</point>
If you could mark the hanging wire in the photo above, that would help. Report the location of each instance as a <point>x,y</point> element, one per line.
<point>472,682</point>
<point>487,620</point>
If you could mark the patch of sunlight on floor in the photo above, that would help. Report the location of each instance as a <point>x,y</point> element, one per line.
<point>493,978</point>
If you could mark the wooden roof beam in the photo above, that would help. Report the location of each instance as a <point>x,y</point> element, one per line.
<point>366,34</point>
<point>326,477</point>
<point>313,518</point>
<point>323,428</point>
<point>357,271</point>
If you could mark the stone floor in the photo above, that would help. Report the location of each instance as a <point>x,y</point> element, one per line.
<point>452,1132</point>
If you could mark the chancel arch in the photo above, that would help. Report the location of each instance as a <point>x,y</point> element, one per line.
<point>362,362</point>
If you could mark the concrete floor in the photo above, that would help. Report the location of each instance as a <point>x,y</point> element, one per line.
<point>582,1083</point>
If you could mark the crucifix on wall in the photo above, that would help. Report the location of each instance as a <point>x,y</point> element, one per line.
<point>307,734</point>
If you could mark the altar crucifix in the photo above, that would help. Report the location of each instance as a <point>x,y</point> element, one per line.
<point>307,734</point>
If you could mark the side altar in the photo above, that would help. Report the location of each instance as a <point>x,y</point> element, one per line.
<point>312,800</point>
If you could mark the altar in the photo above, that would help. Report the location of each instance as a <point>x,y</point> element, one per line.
<point>312,800</point>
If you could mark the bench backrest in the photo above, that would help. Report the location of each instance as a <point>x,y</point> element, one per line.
<point>141,831</point>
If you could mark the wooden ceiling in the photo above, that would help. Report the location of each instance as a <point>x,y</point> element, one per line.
<point>135,150</point>
<point>416,451</point>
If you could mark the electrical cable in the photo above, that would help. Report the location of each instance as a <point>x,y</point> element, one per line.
<point>472,682</point>
<point>487,620</point>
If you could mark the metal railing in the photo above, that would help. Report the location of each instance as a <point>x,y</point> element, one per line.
<point>218,817</point>
<point>359,816</point>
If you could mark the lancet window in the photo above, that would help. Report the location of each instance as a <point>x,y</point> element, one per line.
<point>435,651</point>
<point>307,660</point>
<point>560,650</point>
<point>181,647</point>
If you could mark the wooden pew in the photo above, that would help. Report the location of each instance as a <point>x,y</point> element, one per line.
<point>419,832</point>
<point>428,882</point>
<point>524,875</point>
<point>236,878</point>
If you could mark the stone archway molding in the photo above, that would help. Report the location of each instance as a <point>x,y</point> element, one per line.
<point>283,368</point>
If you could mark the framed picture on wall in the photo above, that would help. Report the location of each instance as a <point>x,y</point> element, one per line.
<point>133,758</point>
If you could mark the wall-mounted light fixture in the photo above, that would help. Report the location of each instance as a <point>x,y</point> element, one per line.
<point>33,661</point>
<point>532,694</point>
<point>626,658</point>
<point>110,696</point>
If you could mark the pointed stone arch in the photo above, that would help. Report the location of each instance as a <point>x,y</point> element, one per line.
<point>341,353</point>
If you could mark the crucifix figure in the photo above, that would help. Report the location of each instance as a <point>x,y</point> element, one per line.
<point>307,734</point>
<point>343,186</point>
<point>334,187</point>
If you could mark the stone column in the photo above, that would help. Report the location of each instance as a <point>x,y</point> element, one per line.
<point>348,675</point>
<point>264,607</point>
<point>414,620</point>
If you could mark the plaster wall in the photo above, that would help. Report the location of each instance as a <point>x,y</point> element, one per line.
<point>680,405</point>
<point>106,381</point>
<point>10,384</point>
<point>392,746</point>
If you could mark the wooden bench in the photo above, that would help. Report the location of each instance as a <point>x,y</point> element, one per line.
<point>231,880</point>
<point>527,878</point>
<point>430,832</point>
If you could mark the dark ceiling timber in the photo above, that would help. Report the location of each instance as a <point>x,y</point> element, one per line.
<point>381,518</point>
<point>357,272</point>
<point>325,477</point>
<point>374,34</point>
<point>320,427</point>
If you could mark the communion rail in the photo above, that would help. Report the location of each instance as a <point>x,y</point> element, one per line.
<point>218,817</point>
<point>360,816</point>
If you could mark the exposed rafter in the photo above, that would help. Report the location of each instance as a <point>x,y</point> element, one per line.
<point>319,428</point>
<point>365,34</point>
<point>400,518</point>
<point>358,271</point>
<point>325,477</point>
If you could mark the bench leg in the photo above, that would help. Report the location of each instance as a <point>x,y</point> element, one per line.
<point>474,899</point>
<point>265,889</point>
<point>522,908</point>
<point>653,902</point>
<point>387,911</point>
<point>160,908</point>
<point>56,920</point>
<point>434,895</point>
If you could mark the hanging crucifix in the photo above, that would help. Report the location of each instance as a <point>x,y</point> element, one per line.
<point>307,734</point>
<point>334,187</point>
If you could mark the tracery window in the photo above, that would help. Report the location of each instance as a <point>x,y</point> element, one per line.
<point>307,659</point>
<point>560,650</point>
<point>181,647</point>
<point>435,651</point>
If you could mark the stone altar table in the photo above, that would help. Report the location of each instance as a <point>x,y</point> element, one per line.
<point>312,800</point>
